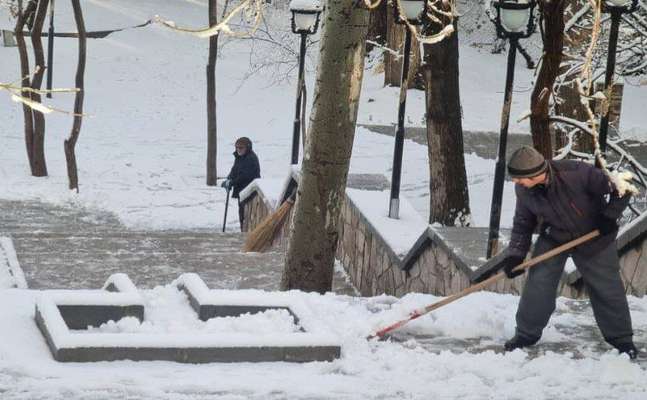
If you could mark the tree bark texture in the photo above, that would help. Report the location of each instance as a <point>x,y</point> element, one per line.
<point>315,225</point>
<point>70,143</point>
<point>212,136</point>
<point>377,24</point>
<point>571,106</point>
<point>449,198</point>
<point>393,63</point>
<point>552,13</point>
<point>38,145</point>
<point>23,16</point>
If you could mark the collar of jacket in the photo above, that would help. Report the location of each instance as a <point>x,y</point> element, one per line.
<point>235,153</point>
<point>543,187</point>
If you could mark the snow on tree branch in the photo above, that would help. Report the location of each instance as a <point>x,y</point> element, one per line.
<point>248,8</point>
<point>622,180</point>
<point>16,95</point>
<point>433,11</point>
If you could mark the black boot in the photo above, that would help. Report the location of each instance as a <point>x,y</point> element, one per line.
<point>518,342</point>
<point>627,348</point>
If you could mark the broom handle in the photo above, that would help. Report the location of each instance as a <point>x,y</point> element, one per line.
<point>474,288</point>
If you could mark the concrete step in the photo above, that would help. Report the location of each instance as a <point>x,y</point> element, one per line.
<point>70,248</point>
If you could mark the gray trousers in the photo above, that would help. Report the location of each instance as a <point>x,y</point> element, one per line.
<point>601,274</point>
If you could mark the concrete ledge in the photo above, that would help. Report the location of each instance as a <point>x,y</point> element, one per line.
<point>199,355</point>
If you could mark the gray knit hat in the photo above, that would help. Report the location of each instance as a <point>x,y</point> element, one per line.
<point>526,162</point>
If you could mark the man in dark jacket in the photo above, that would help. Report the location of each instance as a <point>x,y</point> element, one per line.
<point>566,199</point>
<point>243,172</point>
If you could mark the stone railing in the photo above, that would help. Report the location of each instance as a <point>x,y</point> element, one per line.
<point>261,198</point>
<point>395,257</point>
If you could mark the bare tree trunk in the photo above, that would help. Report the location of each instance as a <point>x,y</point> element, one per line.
<point>377,25</point>
<point>553,22</point>
<point>315,225</point>
<point>23,16</point>
<point>570,105</point>
<point>449,198</point>
<point>393,63</point>
<point>212,145</point>
<point>70,143</point>
<point>38,146</point>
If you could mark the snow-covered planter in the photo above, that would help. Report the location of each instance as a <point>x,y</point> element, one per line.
<point>232,326</point>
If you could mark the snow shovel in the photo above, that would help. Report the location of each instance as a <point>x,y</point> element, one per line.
<point>224,221</point>
<point>474,288</point>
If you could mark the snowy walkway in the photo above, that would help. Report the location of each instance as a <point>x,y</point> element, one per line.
<point>485,144</point>
<point>66,248</point>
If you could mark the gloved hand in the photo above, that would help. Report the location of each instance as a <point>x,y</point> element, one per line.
<point>226,184</point>
<point>606,225</point>
<point>509,263</point>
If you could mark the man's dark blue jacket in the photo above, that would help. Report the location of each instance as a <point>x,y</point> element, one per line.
<point>566,207</point>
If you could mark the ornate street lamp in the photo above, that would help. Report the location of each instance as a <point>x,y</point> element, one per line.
<point>410,11</point>
<point>514,20</point>
<point>616,8</point>
<point>305,21</point>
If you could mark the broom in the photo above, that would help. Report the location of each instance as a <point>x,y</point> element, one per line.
<point>261,238</point>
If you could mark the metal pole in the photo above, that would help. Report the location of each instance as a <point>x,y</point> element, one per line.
<point>297,113</point>
<point>499,172</point>
<point>394,205</point>
<point>608,78</point>
<point>50,49</point>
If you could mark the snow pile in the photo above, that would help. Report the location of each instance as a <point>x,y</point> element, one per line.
<point>308,5</point>
<point>168,311</point>
<point>400,234</point>
<point>452,353</point>
<point>270,189</point>
<point>121,283</point>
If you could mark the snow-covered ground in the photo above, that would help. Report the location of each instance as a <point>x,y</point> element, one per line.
<point>141,155</point>
<point>366,370</point>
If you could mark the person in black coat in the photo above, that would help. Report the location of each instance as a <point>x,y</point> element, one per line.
<point>245,169</point>
<point>566,199</point>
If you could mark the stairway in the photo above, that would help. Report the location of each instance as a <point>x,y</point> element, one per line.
<point>69,248</point>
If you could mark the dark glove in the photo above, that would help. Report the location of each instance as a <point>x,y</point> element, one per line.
<point>606,225</point>
<point>226,184</point>
<point>509,263</point>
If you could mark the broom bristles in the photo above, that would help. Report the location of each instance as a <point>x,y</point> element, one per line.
<point>261,238</point>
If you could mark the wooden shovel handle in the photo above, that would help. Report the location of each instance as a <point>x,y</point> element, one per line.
<point>475,288</point>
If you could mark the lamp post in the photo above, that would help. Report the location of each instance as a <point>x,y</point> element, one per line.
<point>305,21</point>
<point>410,11</point>
<point>514,20</point>
<point>50,50</point>
<point>616,8</point>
